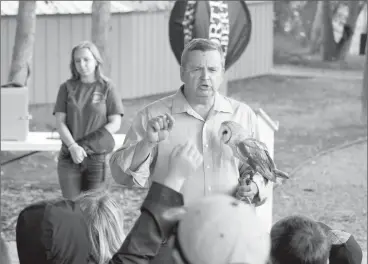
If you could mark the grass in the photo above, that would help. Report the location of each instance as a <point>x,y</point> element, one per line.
<point>314,114</point>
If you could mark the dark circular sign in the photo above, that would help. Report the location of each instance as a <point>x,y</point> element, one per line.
<point>225,22</point>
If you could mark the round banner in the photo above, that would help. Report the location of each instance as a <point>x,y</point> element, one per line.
<point>225,22</point>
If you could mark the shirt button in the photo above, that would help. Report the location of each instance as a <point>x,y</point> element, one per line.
<point>209,188</point>
<point>208,167</point>
<point>206,145</point>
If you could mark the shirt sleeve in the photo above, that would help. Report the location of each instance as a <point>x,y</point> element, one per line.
<point>113,102</point>
<point>150,231</point>
<point>121,159</point>
<point>61,100</point>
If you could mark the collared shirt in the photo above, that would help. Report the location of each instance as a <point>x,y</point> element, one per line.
<point>220,170</point>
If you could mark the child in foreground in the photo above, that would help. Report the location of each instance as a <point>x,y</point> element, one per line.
<point>299,240</point>
<point>89,229</point>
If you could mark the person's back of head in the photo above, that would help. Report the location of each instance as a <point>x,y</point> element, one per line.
<point>299,240</point>
<point>51,232</point>
<point>220,230</point>
<point>4,252</point>
<point>105,222</point>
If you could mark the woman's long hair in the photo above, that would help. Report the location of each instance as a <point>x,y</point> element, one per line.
<point>96,54</point>
<point>105,221</point>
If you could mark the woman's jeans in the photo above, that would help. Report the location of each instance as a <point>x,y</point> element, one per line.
<point>76,178</point>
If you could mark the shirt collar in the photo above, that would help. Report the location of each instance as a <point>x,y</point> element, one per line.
<point>222,104</point>
<point>181,105</point>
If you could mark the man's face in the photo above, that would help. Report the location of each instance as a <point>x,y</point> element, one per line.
<point>202,74</point>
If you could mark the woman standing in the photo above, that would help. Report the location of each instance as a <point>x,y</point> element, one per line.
<point>86,103</point>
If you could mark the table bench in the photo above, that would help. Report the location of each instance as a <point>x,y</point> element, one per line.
<point>42,141</point>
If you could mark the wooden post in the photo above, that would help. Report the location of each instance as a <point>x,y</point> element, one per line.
<point>266,134</point>
<point>100,31</point>
<point>23,44</point>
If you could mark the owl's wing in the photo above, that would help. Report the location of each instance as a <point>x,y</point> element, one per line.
<point>260,151</point>
<point>242,152</point>
<point>257,157</point>
<point>270,160</point>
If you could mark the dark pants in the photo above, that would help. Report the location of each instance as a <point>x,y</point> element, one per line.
<point>76,178</point>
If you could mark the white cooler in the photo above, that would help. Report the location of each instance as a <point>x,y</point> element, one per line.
<point>14,113</point>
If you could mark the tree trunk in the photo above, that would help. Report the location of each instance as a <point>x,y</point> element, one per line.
<point>344,44</point>
<point>365,84</point>
<point>100,31</point>
<point>366,18</point>
<point>316,30</point>
<point>24,43</point>
<point>365,15</point>
<point>328,40</point>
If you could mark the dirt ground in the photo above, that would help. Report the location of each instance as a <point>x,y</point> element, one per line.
<point>331,189</point>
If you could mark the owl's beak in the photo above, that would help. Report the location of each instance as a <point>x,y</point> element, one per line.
<point>224,134</point>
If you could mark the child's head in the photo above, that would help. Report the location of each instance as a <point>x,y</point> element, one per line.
<point>105,222</point>
<point>298,239</point>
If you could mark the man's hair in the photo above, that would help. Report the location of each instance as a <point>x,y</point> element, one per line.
<point>105,221</point>
<point>201,45</point>
<point>299,240</point>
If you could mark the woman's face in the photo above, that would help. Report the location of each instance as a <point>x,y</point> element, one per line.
<point>85,63</point>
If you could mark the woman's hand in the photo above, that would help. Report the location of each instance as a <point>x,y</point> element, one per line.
<point>77,152</point>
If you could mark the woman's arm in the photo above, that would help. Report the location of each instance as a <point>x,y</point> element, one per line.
<point>114,122</point>
<point>114,109</point>
<point>63,130</point>
<point>60,110</point>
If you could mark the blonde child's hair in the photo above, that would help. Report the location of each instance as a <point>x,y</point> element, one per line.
<point>105,220</point>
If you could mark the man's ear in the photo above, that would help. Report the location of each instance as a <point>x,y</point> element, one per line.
<point>174,214</point>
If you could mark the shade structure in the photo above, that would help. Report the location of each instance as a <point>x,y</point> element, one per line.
<point>226,22</point>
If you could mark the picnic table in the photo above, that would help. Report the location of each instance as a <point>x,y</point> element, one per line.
<point>42,141</point>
